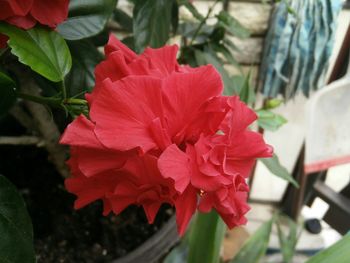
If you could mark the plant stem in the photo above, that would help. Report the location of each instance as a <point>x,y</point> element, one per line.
<point>55,102</point>
<point>72,101</point>
<point>201,24</point>
<point>64,91</point>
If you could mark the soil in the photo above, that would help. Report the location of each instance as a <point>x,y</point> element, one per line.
<point>62,234</point>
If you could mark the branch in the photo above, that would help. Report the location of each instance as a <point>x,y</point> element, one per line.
<point>45,125</point>
<point>21,140</point>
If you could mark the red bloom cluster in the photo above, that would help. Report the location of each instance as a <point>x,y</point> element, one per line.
<point>162,133</point>
<point>26,13</point>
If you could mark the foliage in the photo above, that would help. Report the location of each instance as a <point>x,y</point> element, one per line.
<point>16,242</point>
<point>68,56</point>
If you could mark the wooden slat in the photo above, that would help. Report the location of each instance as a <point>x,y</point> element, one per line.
<point>250,50</point>
<point>331,197</point>
<point>253,16</point>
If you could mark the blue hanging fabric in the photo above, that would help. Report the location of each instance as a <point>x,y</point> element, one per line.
<point>298,46</point>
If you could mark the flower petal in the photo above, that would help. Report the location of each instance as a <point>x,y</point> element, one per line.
<point>185,205</point>
<point>14,8</point>
<point>124,110</point>
<point>81,133</point>
<point>50,13</point>
<point>185,93</point>
<point>114,45</point>
<point>175,164</point>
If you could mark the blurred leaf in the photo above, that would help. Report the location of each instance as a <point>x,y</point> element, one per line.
<point>232,25</point>
<point>269,120</point>
<point>209,57</point>
<point>43,50</point>
<point>190,7</point>
<point>246,93</point>
<point>152,21</point>
<point>174,16</point>
<point>86,18</point>
<point>255,247</point>
<point>16,242</point>
<point>123,19</point>
<point>85,58</point>
<point>287,242</point>
<point>230,44</point>
<point>220,48</point>
<point>338,253</point>
<point>205,238</point>
<point>188,30</point>
<point>130,42</point>
<point>272,104</point>
<point>274,166</point>
<point>7,93</point>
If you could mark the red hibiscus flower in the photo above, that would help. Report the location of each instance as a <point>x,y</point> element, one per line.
<point>160,133</point>
<point>26,13</point>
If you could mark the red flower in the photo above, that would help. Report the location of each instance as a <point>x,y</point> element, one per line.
<point>162,133</point>
<point>26,13</point>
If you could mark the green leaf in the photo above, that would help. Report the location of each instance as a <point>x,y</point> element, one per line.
<point>338,253</point>
<point>246,93</point>
<point>174,16</point>
<point>86,18</point>
<point>232,25</point>
<point>205,238</point>
<point>7,93</point>
<point>255,247</point>
<point>152,22</point>
<point>274,166</point>
<point>43,50</point>
<point>269,120</point>
<point>16,240</point>
<point>85,58</point>
<point>123,19</point>
<point>287,242</point>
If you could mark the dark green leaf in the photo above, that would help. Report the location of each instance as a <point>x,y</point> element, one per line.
<point>43,50</point>
<point>85,58</point>
<point>130,42</point>
<point>152,21</point>
<point>7,93</point>
<point>287,242</point>
<point>338,253</point>
<point>274,166</point>
<point>269,120</point>
<point>174,16</point>
<point>232,25</point>
<point>123,19</point>
<point>207,233</point>
<point>16,241</point>
<point>255,247</point>
<point>246,93</point>
<point>86,18</point>
<point>188,30</point>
